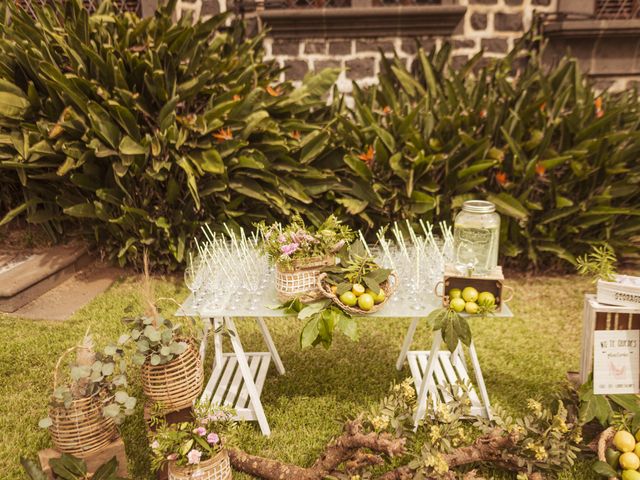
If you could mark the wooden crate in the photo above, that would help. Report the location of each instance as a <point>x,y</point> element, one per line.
<point>493,282</point>
<point>620,294</point>
<point>598,316</point>
<point>93,460</point>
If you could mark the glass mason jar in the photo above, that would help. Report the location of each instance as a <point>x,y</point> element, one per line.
<point>476,237</point>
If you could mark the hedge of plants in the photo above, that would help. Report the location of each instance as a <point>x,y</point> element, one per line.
<point>137,131</point>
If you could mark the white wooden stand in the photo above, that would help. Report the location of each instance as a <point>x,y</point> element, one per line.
<point>598,316</point>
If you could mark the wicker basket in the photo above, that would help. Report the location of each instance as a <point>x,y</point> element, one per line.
<point>216,468</point>
<point>605,440</point>
<point>300,280</point>
<point>389,287</point>
<point>81,428</point>
<point>174,385</point>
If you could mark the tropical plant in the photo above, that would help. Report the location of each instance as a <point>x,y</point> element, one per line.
<point>68,467</point>
<point>557,158</point>
<point>142,129</point>
<point>296,241</point>
<point>102,374</point>
<point>600,263</point>
<point>190,443</point>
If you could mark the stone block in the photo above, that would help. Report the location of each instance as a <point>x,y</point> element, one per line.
<point>374,46</point>
<point>513,2</point>
<point>340,47</point>
<point>508,22</point>
<point>210,7</point>
<point>319,65</point>
<point>463,43</point>
<point>93,460</point>
<point>315,47</point>
<point>285,47</point>
<point>295,69</point>
<point>478,21</point>
<point>410,45</point>
<point>483,2</point>
<point>360,68</point>
<point>496,45</point>
<point>458,61</point>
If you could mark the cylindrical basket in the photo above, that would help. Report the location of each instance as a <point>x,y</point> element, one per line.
<point>605,440</point>
<point>300,280</point>
<point>81,428</point>
<point>389,288</point>
<point>174,385</point>
<point>216,468</point>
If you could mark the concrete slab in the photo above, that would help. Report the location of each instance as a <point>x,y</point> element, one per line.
<point>65,299</point>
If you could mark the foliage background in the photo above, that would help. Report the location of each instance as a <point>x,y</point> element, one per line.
<point>136,132</point>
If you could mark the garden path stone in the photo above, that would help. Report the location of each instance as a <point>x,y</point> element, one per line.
<point>65,299</point>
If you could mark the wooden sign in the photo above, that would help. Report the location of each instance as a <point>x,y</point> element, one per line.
<point>616,361</point>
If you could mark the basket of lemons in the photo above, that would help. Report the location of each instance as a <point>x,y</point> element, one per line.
<point>358,285</point>
<point>619,454</point>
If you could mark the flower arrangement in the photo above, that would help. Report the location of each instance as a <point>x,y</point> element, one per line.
<point>296,241</point>
<point>189,444</point>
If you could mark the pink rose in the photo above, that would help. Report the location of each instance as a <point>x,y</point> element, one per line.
<point>194,457</point>
<point>213,438</point>
<point>200,431</point>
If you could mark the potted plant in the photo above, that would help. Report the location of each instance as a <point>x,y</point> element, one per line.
<point>85,409</point>
<point>195,449</point>
<point>301,252</point>
<point>172,373</point>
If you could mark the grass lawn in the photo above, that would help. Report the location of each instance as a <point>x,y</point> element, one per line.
<point>524,357</point>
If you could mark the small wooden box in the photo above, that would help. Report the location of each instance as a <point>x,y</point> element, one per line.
<point>93,460</point>
<point>602,317</point>
<point>620,294</point>
<point>492,282</point>
<point>184,415</point>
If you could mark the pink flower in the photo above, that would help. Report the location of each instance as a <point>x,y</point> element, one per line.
<point>213,438</point>
<point>172,456</point>
<point>282,238</point>
<point>155,445</point>
<point>200,431</point>
<point>290,248</point>
<point>194,456</point>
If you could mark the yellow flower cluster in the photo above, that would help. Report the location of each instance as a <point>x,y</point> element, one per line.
<point>534,406</point>
<point>380,422</point>
<point>435,434</point>
<point>406,389</point>
<point>539,452</point>
<point>438,463</point>
<point>560,425</point>
<point>444,413</point>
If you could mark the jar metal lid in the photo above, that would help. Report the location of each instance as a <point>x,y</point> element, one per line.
<point>478,206</point>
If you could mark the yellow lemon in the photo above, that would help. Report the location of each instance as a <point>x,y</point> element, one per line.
<point>624,442</point>
<point>348,298</point>
<point>629,461</point>
<point>357,289</point>
<point>365,302</point>
<point>377,297</point>
<point>455,293</point>
<point>457,304</point>
<point>470,294</point>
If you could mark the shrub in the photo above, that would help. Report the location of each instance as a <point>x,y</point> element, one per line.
<point>559,161</point>
<point>143,129</point>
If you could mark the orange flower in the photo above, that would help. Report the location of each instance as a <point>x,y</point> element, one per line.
<point>274,92</point>
<point>386,110</point>
<point>543,106</point>
<point>599,110</point>
<point>223,135</point>
<point>483,113</point>
<point>368,157</point>
<point>540,170</point>
<point>296,134</point>
<point>236,97</point>
<point>501,178</point>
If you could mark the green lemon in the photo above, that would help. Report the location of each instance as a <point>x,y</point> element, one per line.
<point>624,442</point>
<point>377,297</point>
<point>470,294</point>
<point>457,304</point>
<point>365,302</point>
<point>630,475</point>
<point>348,298</point>
<point>471,308</point>
<point>612,456</point>
<point>638,436</point>
<point>455,293</point>
<point>629,461</point>
<point>486,299</point>
<point>357,289</point>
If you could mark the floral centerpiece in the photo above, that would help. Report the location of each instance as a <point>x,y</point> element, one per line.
<point>300,252</point>
<point>195,449</point>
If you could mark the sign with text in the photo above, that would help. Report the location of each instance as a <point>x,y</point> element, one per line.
<point>616,361</point>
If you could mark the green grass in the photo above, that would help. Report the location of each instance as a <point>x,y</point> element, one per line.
<point>527,356</point>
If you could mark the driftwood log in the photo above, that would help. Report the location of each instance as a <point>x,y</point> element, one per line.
<point>355,450</point>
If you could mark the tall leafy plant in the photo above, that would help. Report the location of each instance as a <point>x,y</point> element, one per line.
<point>142,129</point>
<point>557,159</point>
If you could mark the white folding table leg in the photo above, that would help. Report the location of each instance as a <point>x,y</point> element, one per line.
<point>250,385</point>
<point>427,378</point>
<point>217,342</point>
<point>270,345</point>
<point>480,379</point>
<point>205,338</point>
<point>408,338</point>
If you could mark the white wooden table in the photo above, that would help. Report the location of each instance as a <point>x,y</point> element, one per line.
<point>237,378</point>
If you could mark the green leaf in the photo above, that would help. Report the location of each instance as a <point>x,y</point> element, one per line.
<point>107,471</point>
<point>309,333</point>
<point>353,206</point>
<point>373,285</point>
<point>208,160</point>
<point>343,287</point>
<point>313,309</point>
<point>32,469</point>
<point>347,325</point>
<point>18,210</point>
<point>45,422</point>
<point>313,145</point>
<point>112,410</point>
<point>359,167</point>
<point>13,106</point>
<point>81,210</point>
<point>128,146</point>
<point>508,205</point>
<point>603,468</point>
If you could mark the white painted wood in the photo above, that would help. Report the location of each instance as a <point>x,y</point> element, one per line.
<point>213,381</point>
<point>249,384</point>
<point>234,388</point>
<point>459,365</point>
<point>619,294</point>
<point>480,379</point>
<point>205,337</point>
<point>427,379</point>
<point>217,341</point>
<point>243,399</point>
<point>275,356</point>
<point>406,344</point>
<point>225,380</point>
